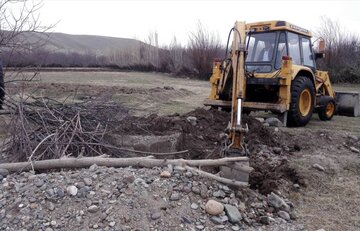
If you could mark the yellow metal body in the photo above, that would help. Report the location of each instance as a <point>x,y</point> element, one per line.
<point>285,75</point>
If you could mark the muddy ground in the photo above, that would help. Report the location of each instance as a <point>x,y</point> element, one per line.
<point>283,158</point>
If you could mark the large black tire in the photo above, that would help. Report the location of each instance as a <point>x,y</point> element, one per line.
<point>326,108</point>
<point>2,87</point>
<point>302,102</point>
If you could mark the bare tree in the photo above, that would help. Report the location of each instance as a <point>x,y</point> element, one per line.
<point>204,46</point>
<point>342,52</point>
<point>19,22</point>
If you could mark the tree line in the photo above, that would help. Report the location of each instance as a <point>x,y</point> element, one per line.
<point>342,55</point>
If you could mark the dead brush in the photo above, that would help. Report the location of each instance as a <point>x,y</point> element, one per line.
<point>43,128</point>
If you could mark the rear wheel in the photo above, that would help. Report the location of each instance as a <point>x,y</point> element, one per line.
<point>327,108</point>
<point>302,102</point>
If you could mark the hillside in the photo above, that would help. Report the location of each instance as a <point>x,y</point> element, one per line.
<point>82,44</point>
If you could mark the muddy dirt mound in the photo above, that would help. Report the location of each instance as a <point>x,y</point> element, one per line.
<point>203,134</point>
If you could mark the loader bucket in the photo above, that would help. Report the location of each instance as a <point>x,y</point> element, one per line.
<point>348,103</point>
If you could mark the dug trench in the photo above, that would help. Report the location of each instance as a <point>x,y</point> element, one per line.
<point>202,133</point>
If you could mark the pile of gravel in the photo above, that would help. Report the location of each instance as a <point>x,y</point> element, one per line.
<point>101,198</point>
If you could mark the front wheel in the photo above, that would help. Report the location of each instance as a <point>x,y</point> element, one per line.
<point>302,102</point>
<point>327,107</point>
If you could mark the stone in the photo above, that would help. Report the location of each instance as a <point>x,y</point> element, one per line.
<point>39,182</point>
<point>265,220</point>
<point>235,227</point>
<point>242,207</point>
<point>87,181</point>
<point>274,122</point>
<point>233,213</point>
<point>128,179</point>
<point>277,150</point>
<point>93,168</point>
<point>155,215</point>
<point>318,167</point>
<point>261,120</point>
<point>284,215</point>
<point>266,125</point>
<point>165,174</point>
<point>353,149</point>
<point>175,196</point>
<point>219,193</point>
<point>112,224</point>
<point>179,169</point>
<point>277,202</point>
<point>4,172</point>
<point>51,206</point>
<point>72,190</point>
<point>194,206</point>
<point>93,209</point>
<point>213,207</point>
<point>352,137</point>
<point>192,120</point>
<point>200,227</point>
<point>218,220</point>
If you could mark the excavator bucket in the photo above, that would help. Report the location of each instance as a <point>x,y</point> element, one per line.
<point>348,103</point>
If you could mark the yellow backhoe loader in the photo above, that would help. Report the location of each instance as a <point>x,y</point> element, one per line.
<point>273,69</point>
<point>271,66</point>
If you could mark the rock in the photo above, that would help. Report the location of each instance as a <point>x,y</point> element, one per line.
<point>213,207</point>
<point>233,213</point>
<point>274,122</point>
<point>218,220</point>
<point>261,120</point>
<point>192,120</point>
<point>200,227</point>
<point>1,177</point>
<point>72,190</point>
<point>352,137</point>
<point>112,224</point>
<point>219,193</point>
<point>155,215</point>
<point>175,196</point>
<point>235,227</point>
<point>277,150</point>
<point>93,168</point>
<point>59,192</point>
<point>265,220</point>
<point>39,182</point>
<point>93,209</point>
<point>4,172</point>
<point>277,202</point>
<point>320,230</point>
<point>266,125</point>
<point>194,206</point>
<point>318,167</point>
<point>179,169</point>
<point>242,207</point>
<point>87,181</point>
<point>51,206</point>
<point>353,149</point>
<point>284,215</point>
<point>128,179</point>
<point>165,174</point>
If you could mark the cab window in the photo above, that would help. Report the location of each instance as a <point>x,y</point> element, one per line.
<point>306,49</point>
<point>281,50</point>
<point>294,48</point>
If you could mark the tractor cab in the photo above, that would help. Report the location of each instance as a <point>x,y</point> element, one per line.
<point>268,42</point>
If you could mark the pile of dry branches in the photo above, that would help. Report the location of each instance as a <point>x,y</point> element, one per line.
<point>42,128</point>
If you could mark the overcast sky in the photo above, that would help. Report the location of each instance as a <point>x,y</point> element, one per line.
<point>136,19</point>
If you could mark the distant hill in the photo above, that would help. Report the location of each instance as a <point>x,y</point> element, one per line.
<point>82,44</point>
<point>66,50</point>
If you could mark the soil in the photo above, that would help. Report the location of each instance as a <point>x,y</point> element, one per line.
<point>282,158</point>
